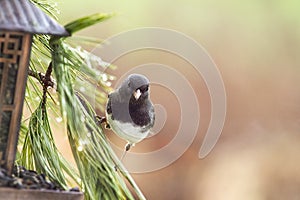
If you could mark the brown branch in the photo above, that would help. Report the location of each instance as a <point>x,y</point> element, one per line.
<point>45,80</point>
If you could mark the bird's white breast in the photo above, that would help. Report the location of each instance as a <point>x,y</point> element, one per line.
<point>128,131</point>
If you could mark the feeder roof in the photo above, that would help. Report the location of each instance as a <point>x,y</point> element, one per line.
<point>22,15</point>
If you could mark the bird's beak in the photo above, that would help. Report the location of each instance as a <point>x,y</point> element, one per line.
<point>137,94</point>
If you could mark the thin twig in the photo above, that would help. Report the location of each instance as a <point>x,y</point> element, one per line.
<point>45,80</point>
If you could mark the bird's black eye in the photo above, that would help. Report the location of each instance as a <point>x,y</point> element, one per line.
<point>144,88</point>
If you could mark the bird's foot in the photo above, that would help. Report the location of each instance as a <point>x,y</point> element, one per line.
<point>102,120</point>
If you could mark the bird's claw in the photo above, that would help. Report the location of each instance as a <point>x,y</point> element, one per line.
<point>102,120</point>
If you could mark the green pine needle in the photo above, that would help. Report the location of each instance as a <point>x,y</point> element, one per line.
<point>87,21</point>
<point>40,153</point>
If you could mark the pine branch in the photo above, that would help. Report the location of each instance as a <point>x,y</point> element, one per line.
<point>44,79</point>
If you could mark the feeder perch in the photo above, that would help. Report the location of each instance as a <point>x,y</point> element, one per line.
<point>19,20</point>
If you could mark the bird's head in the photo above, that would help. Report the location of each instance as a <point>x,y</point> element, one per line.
<point>136,86</point>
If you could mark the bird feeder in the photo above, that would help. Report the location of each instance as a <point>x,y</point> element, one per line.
<point>19,20</point>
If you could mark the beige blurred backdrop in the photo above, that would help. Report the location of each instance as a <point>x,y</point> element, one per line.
<point>256,46</point>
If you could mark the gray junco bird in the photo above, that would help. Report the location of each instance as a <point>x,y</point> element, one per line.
<point>129,110</point>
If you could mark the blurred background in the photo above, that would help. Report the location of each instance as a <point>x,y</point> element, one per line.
<point>256,46</point>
